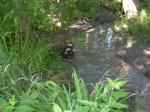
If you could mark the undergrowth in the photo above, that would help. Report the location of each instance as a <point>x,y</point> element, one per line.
<point>50,97</point>
<point>29,65</point>
<point>137,29</point>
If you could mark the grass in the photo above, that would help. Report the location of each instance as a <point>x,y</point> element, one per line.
<point>50,97</point>
<point>27,60</point>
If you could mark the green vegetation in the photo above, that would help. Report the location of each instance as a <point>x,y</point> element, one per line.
<point>30,67</point>
<point>137,29</point>
<point>50,97</point>
<point>140,30</point>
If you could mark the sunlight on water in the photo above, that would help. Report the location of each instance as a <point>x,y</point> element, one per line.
<point>94,54</point>
<point>109,36</point>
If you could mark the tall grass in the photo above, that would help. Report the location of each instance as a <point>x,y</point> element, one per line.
<point>25,54</point>
<point>23,62</point>
<point>50,97</point>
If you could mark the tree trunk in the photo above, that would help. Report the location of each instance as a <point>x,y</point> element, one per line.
<point>130,8</point>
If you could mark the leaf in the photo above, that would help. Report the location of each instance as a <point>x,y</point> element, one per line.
<point>119,84</point>
<point>56,108</point>
<point>116,84</point>
<point>110,81</point>
<point>104,109</point>
<point>29,99</point>
<point>24,108</point>
<point>85,109</point>
<point>3,104</point>
<point>84,90</point>
<point>5,69</point>
<point>67,111</point>
<point>88,103</point>
<point>118,105</point>
<point>7,16</point>
<point>12,100</point>
<point>120,94</point>
<point>77,84</point>
<point>106,90</point>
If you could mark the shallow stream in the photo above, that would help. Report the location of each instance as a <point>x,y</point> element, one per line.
<point>93,54</point>
<point>94,57</point>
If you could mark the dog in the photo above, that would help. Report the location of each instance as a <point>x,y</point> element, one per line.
<point>69,50</point>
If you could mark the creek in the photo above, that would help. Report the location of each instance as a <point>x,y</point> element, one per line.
<point>95,60</point>
<point>94,53</point>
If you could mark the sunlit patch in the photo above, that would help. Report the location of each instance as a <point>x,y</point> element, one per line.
<point>101,30</point>
<point>91,30</point>
<point>146,52</point>
<point>129,44</point>
<point>117,28</point>
<point>49,16</point>
<point>143,15</point>
<point>142,64</point>
<point>42,10</point>
<point>58,24</point>
<point>125,26</point>
<point>75,26</point>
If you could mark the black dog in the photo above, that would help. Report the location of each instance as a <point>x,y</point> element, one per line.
<point>69,50</point>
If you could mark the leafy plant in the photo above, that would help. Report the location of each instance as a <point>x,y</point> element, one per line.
<point>48,96</point>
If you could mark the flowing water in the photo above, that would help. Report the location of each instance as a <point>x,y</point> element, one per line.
<point>94,54</point>
<point>94,57</point>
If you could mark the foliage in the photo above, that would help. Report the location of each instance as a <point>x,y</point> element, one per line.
<point>24,62</point>
<point>25,53</point>
<point>28,61</point>
<point>50,97</point>
<point>141,29</point>
<point>43,15</point>
<point>138,29</point>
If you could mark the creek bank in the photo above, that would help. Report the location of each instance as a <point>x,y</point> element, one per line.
<point>137,59</point>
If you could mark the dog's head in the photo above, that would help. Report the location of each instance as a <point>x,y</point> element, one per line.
<point>69,52</point>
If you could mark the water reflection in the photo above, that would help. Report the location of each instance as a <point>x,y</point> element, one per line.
<point>109,37</point>
<point>93,57</point>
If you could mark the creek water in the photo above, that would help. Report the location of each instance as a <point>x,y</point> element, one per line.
<point>94,53</point>
<point>94,57</point>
